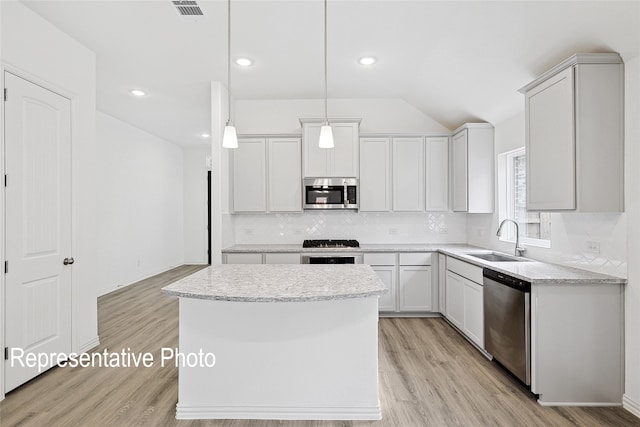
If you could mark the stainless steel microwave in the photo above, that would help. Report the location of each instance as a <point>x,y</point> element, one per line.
<point>330,193</point>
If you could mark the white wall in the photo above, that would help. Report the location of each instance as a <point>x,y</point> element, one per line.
<point>632,202</point>
<point>37,51</point>
<point>140,204</point>
<point>378,115</point>
<point>195,204</point>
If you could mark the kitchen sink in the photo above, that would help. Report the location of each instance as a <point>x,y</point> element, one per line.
<point>496,257</point>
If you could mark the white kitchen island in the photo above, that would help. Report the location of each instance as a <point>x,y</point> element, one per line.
<point>296,342</point>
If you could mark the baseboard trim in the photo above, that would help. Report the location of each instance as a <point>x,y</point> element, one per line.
<point>94,342</point>
<point>584,404</point>
<point>190,412</point>
<point>104,292</point>
<point>631,405</point>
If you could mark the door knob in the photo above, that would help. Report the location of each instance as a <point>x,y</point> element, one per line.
<point>68,261</point>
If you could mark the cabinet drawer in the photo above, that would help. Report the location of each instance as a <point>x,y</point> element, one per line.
<point>422,258</point>
<point>281,258</point>
<point>380,259</point>
<point>244,258</point>
<point>465,269</point>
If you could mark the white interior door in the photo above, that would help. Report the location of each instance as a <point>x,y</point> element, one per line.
<point>38,225</point>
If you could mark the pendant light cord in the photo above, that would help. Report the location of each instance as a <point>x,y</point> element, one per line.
<point>229,62</point>
<point>326,118</point>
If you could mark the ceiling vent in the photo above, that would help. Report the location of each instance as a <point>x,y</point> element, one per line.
<point>188,9</point>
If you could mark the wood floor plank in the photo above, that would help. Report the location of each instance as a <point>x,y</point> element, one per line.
<point>429,376</point>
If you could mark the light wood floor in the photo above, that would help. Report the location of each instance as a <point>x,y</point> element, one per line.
<point>429,376</point>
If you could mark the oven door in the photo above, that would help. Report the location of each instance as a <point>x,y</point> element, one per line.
<point>331,258</point>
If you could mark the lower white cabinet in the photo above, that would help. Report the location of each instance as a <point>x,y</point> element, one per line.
<point>387,274</point>
<point>473,324</point>
<point>408,278</point>
<point>455,299</point>
<point>259,258</point>
<point>463,300</point>
<point>415,288</point>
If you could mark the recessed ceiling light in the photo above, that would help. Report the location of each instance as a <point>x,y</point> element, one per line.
<point>367,60</point>
<point>204,135</point>
<point>137,92</point>
<point>244,62</point>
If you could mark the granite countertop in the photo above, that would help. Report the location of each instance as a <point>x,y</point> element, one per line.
<point>533,271</point>
<point>279,283</point>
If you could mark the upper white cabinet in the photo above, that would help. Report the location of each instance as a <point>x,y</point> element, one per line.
<point>437,174</point>
<point>375,175</point>
<point>285,180</point>
<point>408,174</point>
<point>249,173</point>
<point>473,168</point>
<point>340,161</point>
<point>266,175</point>
<point>574,135</point>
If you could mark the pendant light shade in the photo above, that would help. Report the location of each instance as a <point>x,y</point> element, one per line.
<point>326,137</point>
<point>229,137</point>
<point>326,134</point>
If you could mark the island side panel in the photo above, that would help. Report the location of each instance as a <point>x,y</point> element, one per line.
<point>577,335</point>
<point>303,360</point>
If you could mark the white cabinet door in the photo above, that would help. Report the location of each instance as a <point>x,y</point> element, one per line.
<point>239,258</point>
<point>249,173</point>
<point>437,174</point>
<point>345,154</point>
<point>459,175</point>
<point>375,175</point>
<point>442,280</point>
<point>455,299</point>
<point>281,258</point>
<point>415,288</point>
<point>340,161</point>
<point>387,274</point>
<point>473,323</point>
<point>408,174</point>
<point>316,159</point>
<point>285,181</point>
<point>550,144</point>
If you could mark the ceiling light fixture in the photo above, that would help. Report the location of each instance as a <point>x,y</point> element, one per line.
<point>244,62</point>
<point>137,92</point>
<point>367,60</point>
<point>326,135</point>
<point>230,136</point>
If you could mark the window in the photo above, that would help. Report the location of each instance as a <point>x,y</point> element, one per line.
<point>535,227</point>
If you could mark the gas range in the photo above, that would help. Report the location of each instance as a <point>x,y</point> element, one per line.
<point>333,257</point>
<point>330,244</point>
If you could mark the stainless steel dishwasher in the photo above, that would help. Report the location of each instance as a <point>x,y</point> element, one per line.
<point>507,319</point>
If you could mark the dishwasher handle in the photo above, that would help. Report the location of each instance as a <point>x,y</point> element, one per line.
<point>505,279</point>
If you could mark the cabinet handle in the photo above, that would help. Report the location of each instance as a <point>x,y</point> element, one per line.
<point>68,261</point>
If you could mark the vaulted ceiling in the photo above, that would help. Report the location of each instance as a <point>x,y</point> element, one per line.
<point>454,61</point>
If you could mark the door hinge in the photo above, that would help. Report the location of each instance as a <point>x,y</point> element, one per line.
<point>6,353</point>
<point>5,180</point>
<point>5,93</point>
<point>6,267</point>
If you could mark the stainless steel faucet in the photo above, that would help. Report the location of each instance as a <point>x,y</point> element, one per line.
<point>518,251</point>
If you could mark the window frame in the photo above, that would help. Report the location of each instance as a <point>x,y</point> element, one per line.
<point>506,196</point>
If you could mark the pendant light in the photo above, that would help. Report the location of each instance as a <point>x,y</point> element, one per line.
<point>326,134</point>
<point>230,137</point>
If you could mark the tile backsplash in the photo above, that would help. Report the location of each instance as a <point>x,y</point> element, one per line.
<point>365,227</point>
<point>590,241</point>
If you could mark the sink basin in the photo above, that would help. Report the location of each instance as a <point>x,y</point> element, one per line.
<point>496,257</point>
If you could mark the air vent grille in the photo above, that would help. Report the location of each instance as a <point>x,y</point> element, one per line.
<point>188,8</point>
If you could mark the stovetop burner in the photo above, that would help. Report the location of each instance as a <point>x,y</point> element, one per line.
<point>330,244</point>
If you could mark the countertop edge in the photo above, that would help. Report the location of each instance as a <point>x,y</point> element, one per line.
<point>274,299</point>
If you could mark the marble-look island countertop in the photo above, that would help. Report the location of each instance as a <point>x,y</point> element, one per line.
<point>279,283</point>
